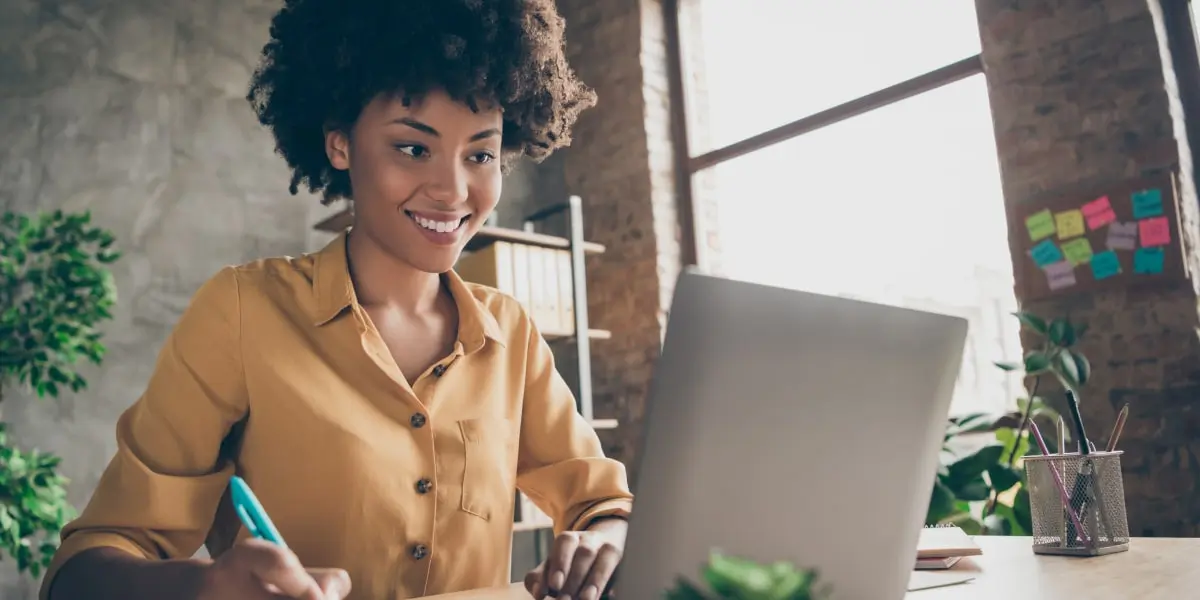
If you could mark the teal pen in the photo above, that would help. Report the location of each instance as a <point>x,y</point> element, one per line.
<point>251,512</point>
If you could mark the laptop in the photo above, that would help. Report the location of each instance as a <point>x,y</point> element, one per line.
<point>785,425</point>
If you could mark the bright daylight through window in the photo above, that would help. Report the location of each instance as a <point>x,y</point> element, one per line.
<point>900,205</point>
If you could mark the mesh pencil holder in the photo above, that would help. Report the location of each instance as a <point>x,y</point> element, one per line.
<point>1077,504</point>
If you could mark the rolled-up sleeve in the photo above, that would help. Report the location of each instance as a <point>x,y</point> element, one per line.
<point>159,493</point>
<point>561,464</point>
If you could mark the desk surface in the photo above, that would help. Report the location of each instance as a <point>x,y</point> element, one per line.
<point>1152,568</point>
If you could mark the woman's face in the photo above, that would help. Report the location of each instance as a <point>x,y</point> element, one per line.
<point>425,176</point>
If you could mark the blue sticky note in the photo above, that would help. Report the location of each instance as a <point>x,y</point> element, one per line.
<point>1148,261</point>
<point>1105,264</point>
<point>1147,203</point>
<point>1046,253</point>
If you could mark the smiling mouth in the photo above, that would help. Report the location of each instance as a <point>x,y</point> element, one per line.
<point>437,226</point>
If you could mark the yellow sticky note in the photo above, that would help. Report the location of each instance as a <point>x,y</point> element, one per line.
<point>1040,225</point>
<point>1078,251</point>
<point>1069,223</point>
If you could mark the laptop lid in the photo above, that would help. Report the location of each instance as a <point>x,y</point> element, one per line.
<point>785,425</point>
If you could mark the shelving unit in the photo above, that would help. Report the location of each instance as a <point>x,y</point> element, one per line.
<point>578,248</point>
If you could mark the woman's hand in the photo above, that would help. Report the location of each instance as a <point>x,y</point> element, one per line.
<point>256,569</point>
<point>581,564</point>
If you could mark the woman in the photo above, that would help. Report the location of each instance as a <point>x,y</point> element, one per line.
<point>382,409</point>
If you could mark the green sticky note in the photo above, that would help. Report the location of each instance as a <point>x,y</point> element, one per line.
<point>1105,264</point>
<point>1148,261</point>
<point>1040,225</point>
<point>1078,250</point>
<point>1147,203</point>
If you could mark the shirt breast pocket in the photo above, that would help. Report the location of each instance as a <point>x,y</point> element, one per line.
<point>490,466</point>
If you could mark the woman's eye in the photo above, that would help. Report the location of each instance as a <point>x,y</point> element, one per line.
<point>413,150</point>
<point>483,158</point>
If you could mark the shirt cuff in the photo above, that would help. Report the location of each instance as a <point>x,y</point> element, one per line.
<point>77,543</point>
<point>619,507</point>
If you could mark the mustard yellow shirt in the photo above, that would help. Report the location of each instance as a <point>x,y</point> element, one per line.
<point>274,372</point>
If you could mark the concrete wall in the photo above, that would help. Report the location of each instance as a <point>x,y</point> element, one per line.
<point>134,110</point>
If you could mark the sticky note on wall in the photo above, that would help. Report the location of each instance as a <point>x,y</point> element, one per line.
<point>1078,251</point>
<point>1105,264</point>
<point>1148,261</point>
<point>1069,224</point>
<point>1040,225</point>
<point>1147,203</point>
<point>1060,275</point>
<point>1098,213</point>
<point>1122,236</point>
<point>1154,232</point>
<point>1045,252</point>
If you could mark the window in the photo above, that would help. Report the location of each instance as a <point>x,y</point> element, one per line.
<point>786,59</point>
<point>900,205</point>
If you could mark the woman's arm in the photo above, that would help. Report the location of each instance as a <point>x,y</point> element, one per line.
<point>107,573</point>
<point>561,465</point>
<point>157,497</point>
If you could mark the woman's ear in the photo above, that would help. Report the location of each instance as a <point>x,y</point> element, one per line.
<point>337,148</point>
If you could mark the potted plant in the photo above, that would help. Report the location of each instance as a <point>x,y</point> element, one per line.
<point>733,578</point>
<point>55,289</point>
<point>984,491</point>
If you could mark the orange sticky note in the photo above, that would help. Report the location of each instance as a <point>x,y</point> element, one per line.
<point>1069,224</point>
<point>1154,232</point>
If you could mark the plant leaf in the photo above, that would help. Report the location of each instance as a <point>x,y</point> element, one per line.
<point>973,490</point>
<point>1067,369</point>
<point>1008,366</point>
<point>1061,333</point>
<point>941,503</point>
<point>1031,321</point>
<point>974,465</point>
<point>1036,362</point>
<point>1083,368</point>
<point>1003,477</point>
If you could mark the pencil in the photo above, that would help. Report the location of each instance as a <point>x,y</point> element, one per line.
<point>1116,432</point>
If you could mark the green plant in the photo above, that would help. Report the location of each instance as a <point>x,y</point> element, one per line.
<point>984,491</point>
<point>55,289</point>
<point>733,578</point>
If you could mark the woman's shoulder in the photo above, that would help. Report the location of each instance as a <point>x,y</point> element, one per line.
<point>508,312</point>
<point>274,281</point>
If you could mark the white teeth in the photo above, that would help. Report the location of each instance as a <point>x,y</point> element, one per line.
<point>438,226</point>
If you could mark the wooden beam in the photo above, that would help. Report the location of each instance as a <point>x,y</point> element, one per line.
<point>890,95</point>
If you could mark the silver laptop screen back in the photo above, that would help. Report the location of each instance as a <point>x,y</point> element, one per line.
<point>793,426</point>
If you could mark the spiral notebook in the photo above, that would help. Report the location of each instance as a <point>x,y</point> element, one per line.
<point>942,546</point>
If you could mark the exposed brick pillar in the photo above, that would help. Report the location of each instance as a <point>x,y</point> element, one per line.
<point>1082,97</point>
<point>621,164</point>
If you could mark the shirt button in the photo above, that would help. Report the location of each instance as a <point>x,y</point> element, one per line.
<point>423,486</point>
<point>417,420</point>
<point>439,370</point>
<point>420,551</point>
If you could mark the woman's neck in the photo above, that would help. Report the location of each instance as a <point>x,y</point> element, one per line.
<point>381,279</point>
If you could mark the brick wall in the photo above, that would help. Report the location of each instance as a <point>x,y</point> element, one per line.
<point>622,166</point>
<point>1081,95</point>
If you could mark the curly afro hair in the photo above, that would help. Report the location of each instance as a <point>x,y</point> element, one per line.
<point>327,59</point>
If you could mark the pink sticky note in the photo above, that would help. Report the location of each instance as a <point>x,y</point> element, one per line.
<point>1154,232</point>
<point>1099,213</point>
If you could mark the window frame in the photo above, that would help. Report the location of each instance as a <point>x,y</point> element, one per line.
<point>687,165</point>
<point>1183,42</point>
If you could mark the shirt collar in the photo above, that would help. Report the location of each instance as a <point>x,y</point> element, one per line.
<point>334,293</point>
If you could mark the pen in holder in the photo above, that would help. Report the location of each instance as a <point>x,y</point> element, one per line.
<point>1068,492</point>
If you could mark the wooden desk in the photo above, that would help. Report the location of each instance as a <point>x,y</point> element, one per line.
<point>1153,568</point>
